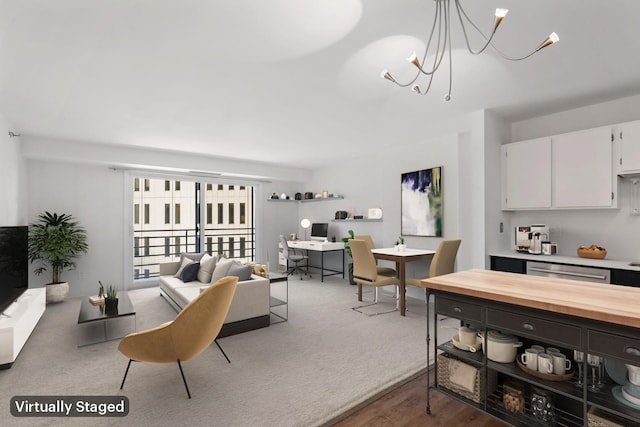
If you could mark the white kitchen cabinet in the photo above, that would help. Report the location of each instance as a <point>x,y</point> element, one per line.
<point>628,135</point>
<point>526,174</point>
<point>582,169</point>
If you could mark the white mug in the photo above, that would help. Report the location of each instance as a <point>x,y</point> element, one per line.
<point>539,348</point>
<point>560,363</point>
<point>530,358</point>
<point>551,350</point>
<point>545,363</point>
<point>467,336</point>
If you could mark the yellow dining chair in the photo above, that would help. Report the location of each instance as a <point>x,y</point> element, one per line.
<point>365,273</point>
<point>443,261</point>
<point>385,271</point>
<point>188,335</point>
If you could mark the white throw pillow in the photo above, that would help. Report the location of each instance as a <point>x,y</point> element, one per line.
<point>222,269</point>
<point>207,264</point>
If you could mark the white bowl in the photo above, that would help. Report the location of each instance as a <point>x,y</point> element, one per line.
<point>466,347</point>
<point>626,393</point>
<point>633,372</point>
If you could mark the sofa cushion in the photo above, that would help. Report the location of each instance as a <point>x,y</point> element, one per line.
<point>183,263</point>
<point>207,265</point>
<point>193,256</point>
<point>222,269</point>
<point>190,272</point>
<point>242,272</point>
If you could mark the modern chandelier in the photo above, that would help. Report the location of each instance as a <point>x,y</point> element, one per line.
<point>441,29</point>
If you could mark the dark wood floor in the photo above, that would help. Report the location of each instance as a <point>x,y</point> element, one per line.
<point>406,405</point>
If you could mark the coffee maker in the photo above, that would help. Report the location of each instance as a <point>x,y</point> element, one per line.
<point>529,238</point>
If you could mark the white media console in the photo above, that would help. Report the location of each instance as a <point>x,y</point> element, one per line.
<point>18,321</point>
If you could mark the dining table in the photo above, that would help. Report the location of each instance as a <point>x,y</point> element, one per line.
<point>401,258</point>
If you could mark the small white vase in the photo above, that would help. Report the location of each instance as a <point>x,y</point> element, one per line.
<point>57,292</point>
<point>401,248</point>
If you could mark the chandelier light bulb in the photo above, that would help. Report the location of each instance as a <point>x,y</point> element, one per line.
<point>386,75</point>
<point>447,97</point>
<point>414,60</point>
<point>500,14</point>
<point>554,37</point>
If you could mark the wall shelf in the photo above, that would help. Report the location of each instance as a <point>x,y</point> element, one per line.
<point>319,199</point>
<point>357,220</point>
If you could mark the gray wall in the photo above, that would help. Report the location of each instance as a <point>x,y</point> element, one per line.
<point>12,178</point>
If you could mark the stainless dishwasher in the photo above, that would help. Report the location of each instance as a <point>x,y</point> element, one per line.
<point>572,272</point>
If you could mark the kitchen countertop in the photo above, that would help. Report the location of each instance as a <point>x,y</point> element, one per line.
<point>607,303</point>
<point>619,264</point>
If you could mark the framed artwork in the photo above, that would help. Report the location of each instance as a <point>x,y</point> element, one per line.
<point>421,210</point>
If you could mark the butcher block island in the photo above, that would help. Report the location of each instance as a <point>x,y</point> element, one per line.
<point>549,351</point>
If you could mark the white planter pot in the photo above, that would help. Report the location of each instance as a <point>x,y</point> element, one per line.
<point>401,248</point>
<point>57,292</point>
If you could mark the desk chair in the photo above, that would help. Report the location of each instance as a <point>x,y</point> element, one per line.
<point>193,330</point>
<point>295,257</point>
<point>365,273</point>
<point>384,271</point>
<point>443,262</point>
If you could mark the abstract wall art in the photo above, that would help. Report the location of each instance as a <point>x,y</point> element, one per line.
<point>421,193</point>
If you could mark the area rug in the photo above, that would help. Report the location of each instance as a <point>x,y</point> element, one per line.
<point>326,360</point>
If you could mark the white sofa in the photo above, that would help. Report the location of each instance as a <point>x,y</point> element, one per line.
<point>249,308</point>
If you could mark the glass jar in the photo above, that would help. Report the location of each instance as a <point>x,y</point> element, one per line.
<point>542,406</point>
<point>513,396</point>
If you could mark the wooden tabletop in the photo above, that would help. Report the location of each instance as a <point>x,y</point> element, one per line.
<point>604,302</point>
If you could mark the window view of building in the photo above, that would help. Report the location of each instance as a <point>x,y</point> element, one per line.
<point>159,237</point>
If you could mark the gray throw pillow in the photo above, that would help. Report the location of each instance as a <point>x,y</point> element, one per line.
<point>190,272</point>
<point>242,272</point>
<point>191,256</point>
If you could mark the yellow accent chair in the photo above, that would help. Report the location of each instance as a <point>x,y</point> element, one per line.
<point>365,273</point>
<point>188,335</point>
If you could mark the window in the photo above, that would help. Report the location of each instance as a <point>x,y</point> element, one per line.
<point>136,184</point>
<point>243,213</point>
<point>209,213</point>
<point>231,187</point>
<point>146,185</point>
<point>242,187</point>
<point>168,222</point>
<point>220,187</point>
<point>136,213</point>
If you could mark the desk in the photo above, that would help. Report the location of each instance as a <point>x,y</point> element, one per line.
<point>401,258</point>
<point>322,247</point>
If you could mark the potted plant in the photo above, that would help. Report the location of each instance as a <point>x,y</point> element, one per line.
<point>347,249</point>
<point>400,245</point>
<point>54,242</point>
<point>111,300</point>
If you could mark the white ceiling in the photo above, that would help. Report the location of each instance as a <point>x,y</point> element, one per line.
<point>292,81</point>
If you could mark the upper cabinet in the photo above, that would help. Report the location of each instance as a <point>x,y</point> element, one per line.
<point>568,171</point>
<point>628,135</point>
<point>582,169</point>
<point>526,167</point>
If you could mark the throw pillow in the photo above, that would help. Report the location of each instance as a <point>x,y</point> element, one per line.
<point>193,256</point>
<point>222,269</point>
<point>183,263</point>
<point>207,264</point>
<point>190,272</point>
<point>242,272</point>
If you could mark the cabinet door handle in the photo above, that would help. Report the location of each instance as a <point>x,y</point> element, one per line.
<point>457,309</point>
<point>632,351</point>
<point>528,326</point>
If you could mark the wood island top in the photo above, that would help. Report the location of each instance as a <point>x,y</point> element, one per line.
<point>604,302</point>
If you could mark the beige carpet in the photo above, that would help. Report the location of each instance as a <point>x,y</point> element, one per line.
<point>324,361</point>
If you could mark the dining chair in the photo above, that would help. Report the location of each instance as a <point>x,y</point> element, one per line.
<point>385,271</point>
<point>365,273</point>
<point>443,261</point>
<point>295,257</point>
<point>193,330</point>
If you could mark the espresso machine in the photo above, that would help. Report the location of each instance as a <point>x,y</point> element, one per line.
<point>529,238</point>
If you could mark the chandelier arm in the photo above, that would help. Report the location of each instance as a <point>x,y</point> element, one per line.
<point>438,18</point>
<point>510,58</point>
<point>448,36</point>
<point>462,13</point>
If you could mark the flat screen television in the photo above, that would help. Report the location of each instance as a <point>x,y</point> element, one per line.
<point>319,231</point>
<point>14,264</point>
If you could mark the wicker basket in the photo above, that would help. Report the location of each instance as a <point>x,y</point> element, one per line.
<point>599,418</point>
<point>444,373</point>
<point>592,254</point>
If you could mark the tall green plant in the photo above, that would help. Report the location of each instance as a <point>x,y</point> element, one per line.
<point>55,241</point>
<point>345,240</point>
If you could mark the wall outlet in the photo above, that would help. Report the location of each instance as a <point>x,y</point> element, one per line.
<point>502,227</point>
